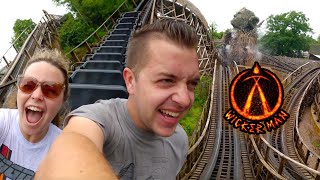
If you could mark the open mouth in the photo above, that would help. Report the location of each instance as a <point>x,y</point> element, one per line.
<point>34,114</point>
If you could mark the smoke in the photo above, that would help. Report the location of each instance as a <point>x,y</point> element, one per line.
<point>240,44</point>
<point>241,47</point>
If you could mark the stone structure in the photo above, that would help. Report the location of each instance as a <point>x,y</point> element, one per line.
<point>245,20</point>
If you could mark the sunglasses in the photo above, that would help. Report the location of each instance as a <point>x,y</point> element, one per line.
<point>50,90</point>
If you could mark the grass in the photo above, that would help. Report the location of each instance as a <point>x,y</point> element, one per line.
<point>189,122</point>
<point>316,144</point>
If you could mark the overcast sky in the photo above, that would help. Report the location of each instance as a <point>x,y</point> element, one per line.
<point>10,10</point>
<point>221,12</point>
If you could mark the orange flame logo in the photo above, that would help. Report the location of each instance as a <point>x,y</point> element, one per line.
<point>256,95</point>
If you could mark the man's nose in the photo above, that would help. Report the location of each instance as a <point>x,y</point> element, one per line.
<point>182,96</point>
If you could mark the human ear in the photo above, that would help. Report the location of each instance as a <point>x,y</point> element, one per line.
<point>129,78</point>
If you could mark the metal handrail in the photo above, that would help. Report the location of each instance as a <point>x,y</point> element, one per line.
<point>297,119</point>
<point>95,33</point>
<point>235,64</point>
<point>286,157</point>
<point>147,13</point>
<point>209,114</point>
<point>300,67</point>
<point>153,8</point>
<point>15,61</point>
<point>262,160</point>
<point>12,45</point>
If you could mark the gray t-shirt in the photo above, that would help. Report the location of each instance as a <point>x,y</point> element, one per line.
<point>133,153</point>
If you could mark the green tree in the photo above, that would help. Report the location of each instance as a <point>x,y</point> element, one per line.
<point>21,29</point>
<point>84,17</point>
<point>214,32</point>
<point>288,34</point>
<point>91,12</point>
<point>318,39</point>
<point>73,32</point>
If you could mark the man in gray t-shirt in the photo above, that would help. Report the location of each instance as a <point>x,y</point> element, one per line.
<point>131,152</point>
<point>140,137</point>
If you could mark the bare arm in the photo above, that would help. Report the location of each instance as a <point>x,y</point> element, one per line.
<point>76,154</point>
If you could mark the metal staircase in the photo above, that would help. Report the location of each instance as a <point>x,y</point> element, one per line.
<point>100,77</point>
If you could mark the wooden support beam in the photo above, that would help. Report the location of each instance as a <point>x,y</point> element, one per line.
<point>88,47</point>
<point>5,60</point>
<point>27,53</point>
<point>97,36</point>
<point>37,43</point>
<point>74,56</point>
<point>282,163</point>
<point>135,4</point>
<point>307,157</point>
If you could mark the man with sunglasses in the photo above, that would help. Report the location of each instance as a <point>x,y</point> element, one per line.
<point>26,133</point>
<point>139,137</point>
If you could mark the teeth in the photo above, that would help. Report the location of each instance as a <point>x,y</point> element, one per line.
<point>172,114</point>
<point>33,108</point>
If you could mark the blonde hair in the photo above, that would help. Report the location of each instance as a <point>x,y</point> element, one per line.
<point>55,58</point>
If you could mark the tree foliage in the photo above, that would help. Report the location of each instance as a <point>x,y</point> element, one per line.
<point>288,34</point>
<point>318,39</point>
<point>189,122</point>
<point>21,29</point>
<point>73,32</point>
<point>91,12</point>
<point>84,17</point>
<point>214,32</point>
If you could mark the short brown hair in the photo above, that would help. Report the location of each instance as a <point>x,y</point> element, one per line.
<point>177,32</point>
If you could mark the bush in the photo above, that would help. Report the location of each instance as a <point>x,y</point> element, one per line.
<point>191,119</point>
<point>73,32</point>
